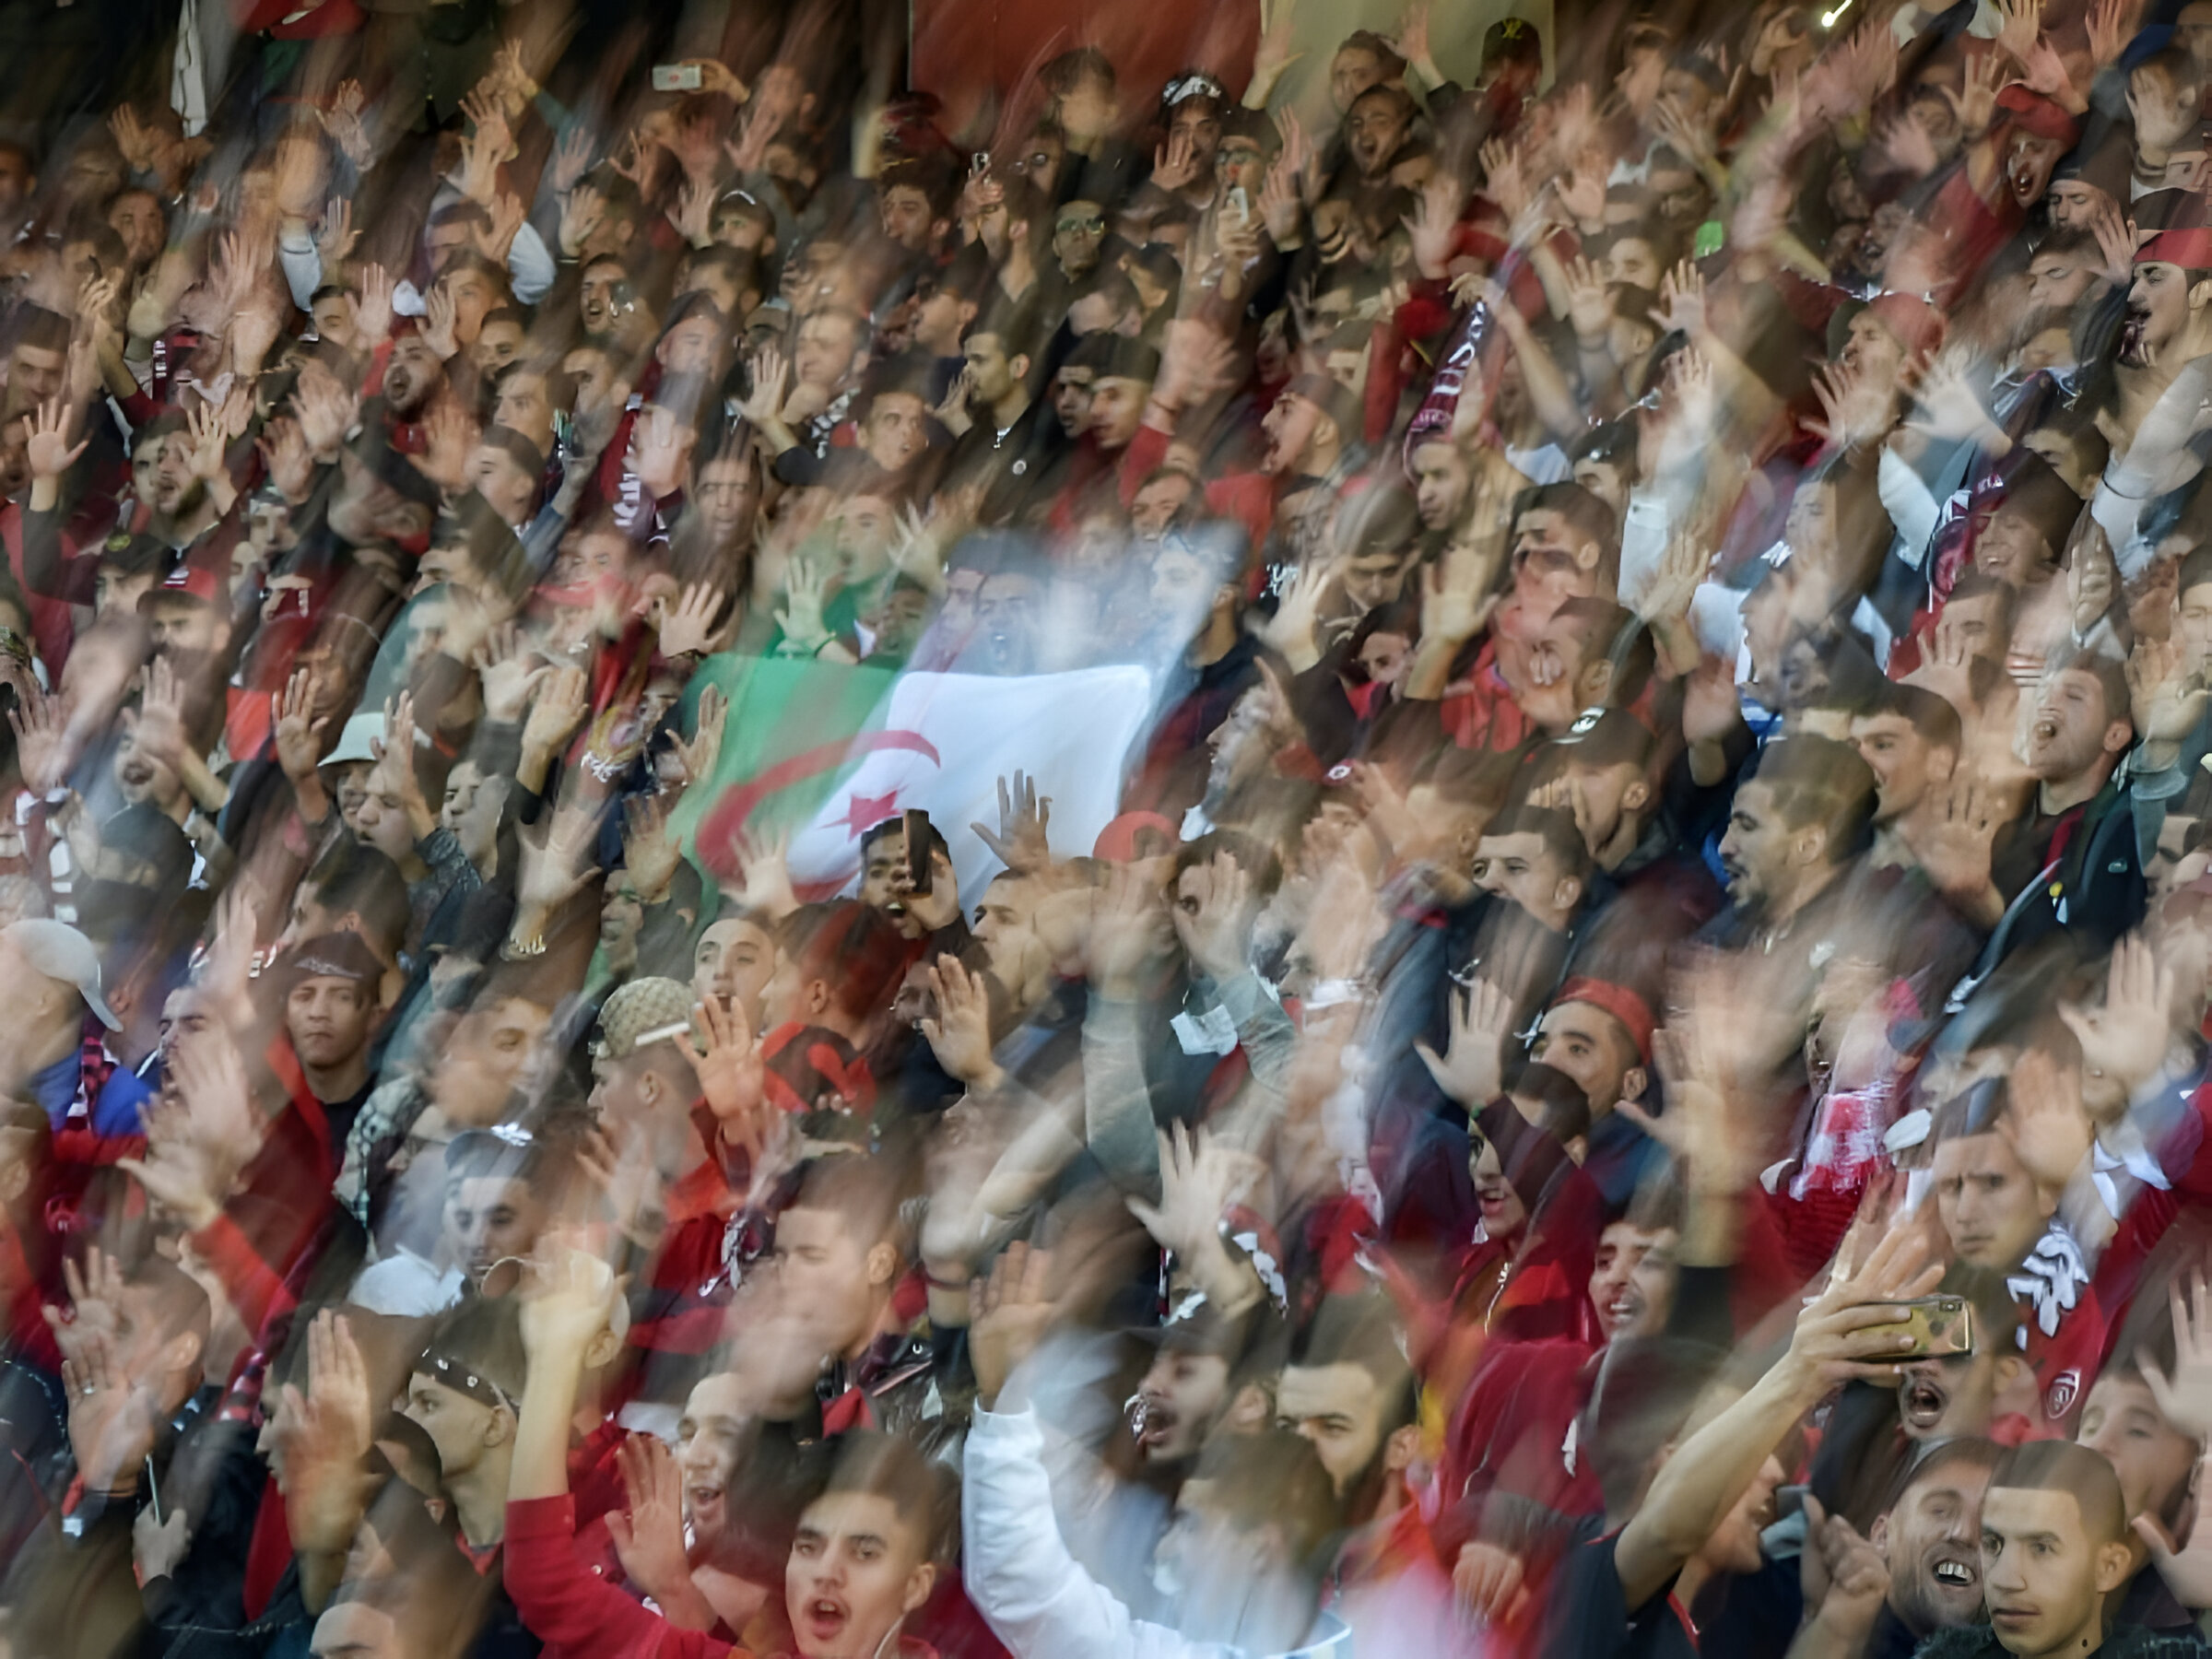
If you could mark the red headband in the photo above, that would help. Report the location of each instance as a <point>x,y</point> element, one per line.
<point>2190,248</point>
<point>1624,1004</point>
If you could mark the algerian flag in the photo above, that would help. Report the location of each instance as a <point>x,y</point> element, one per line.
<point>942,743</point>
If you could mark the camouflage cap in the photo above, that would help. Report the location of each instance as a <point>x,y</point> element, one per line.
<point>645,1011</point>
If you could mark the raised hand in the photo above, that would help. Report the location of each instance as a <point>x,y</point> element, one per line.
<point>49,450</point>
<point>764,862</point>
<point>556,715</point>
<point>685,627</point>
<point>335,240</point>
<point>960,1034</point>
<point>507,674</point>
<point>373,306</point>
<point>770,375</point>
<point>1023,819</point>
<point>1013,1309</point>
<point>438,317</point>
<point>730,1073</point>
<point>700,755</point>
<point>1216,927</point>
<point>45,751</point>
<point>1471,1068</point>
<point>2185,1394</point>
<point>2124,1043</point>
<point>649,852</point>
<point>649,1535</point>
<point>1175,163</point>
<point>1200,1178</point>
<point>112,1417</point>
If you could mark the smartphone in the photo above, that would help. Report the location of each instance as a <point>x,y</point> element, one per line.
<point>1239,200</point>
<point>1939,1326</point>
<point>676,78</point>
<point>979,164</point>
<point>916,824</point>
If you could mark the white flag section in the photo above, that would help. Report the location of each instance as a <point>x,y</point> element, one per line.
<point>945,740</point>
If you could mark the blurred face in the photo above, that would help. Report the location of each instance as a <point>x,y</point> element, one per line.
<point>991,373</point>
<point>1734,1546</point>
<point>1177,1401</point>
<point>822,357</point>
<point>463,1428</point>
<point>729,496</point>
<point>1551,563</point>
<point>2057,283</point>
<point>594,377</point>
<point>1632,1284</point>
<point>1374,129</point>
<point>1078,232</point>
<point>490,1218</point>
<point>2044,1578</point>
<point>1903,762</point>
<point>1071,400</point>
<point>896,430</point>
<point>1991,1210</point>
<point>2012,549</point>
<point>1289,426</point>
<point>136,217</point>
<point>329,1020</point>
<point>522,404</point>
<point>599,297</point>
<point>1523,868</point>
<point>1180,587</point>
<point>502,481</point>
<point>486,1058</point>
<point>709,1437</point>
<point>1339,1409</point>
<point>1385,657</point>
<point>1872,347</point>
<point>2028,163</point>
<point>1759,850</point>
<point>1351,72</point>
<point>1590,1046</point>
<point>734,958</point>
<point>2157,310</point>
<point>2072,730</point>
<point>688,348</point>
<point>824,1267</point>
<point>1087,109</point>
<point>1157,503</point>
<point>861,528</point>
<point>1196,119</point>
<point>382,818</point>
<point>2074,205</point>
<point>2122,1422</point>
<point>856,1569</point>
<point>1440,477</point>
<point>907,220</point>
<point>1631,259</point>
<point>1931,1541</point>
<point>418,371</point>
<point>1117,410</point>
<point>1504,1214</point>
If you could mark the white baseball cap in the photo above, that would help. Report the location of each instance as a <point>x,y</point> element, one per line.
<point>60,952</point>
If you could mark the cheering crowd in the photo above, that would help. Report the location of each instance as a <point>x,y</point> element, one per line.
<point>1608,1059</point>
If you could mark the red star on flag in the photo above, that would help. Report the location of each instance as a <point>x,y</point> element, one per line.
<point>865,812</point>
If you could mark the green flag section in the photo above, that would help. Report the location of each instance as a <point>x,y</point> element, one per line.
<point>792,724</point>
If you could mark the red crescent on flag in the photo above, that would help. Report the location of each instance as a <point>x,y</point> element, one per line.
<point>728,815</point>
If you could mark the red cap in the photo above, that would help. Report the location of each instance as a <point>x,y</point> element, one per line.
<point>2189,247</point>
<point>1917,324</point>
<point>1117,844</point>
<point>2042,116</point>
<point>1624,1004</point>
<point>192,582</point>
